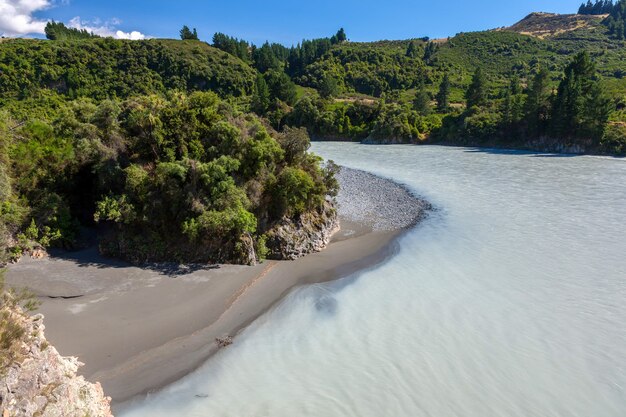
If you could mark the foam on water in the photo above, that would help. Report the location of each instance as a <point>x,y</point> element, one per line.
<point>509,301</point>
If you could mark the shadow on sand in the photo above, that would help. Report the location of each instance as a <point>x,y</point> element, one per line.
<point>91,257</point>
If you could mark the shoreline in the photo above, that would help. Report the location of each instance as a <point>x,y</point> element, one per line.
<point>141,329</point>
<point>480,147</point>
<point>186,354</point>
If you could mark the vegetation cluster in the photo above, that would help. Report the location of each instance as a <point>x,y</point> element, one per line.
<point>181,150</point>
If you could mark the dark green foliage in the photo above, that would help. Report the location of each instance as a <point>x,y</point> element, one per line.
<point>58,31</point>
<point>371,69</point>
<point>538,102</point>
<point>476,93</point>
<point>281,86</point>
<point>237,47</point>
<point>597,8</point>
<point>265,58</point>
<point>261,96</point>
<point>104,68</point>
<point>429,52</point>
<point>182,177</point>
<point>581,109</point>
<point>187,34</point>
<point>412,50</point>
<point>614,140</point>
<point>421,101</point>
<point>578,114</point>
<point>341,36</point>
<point>443,95</point>
<point>616,22</point>
<point>329,86</point>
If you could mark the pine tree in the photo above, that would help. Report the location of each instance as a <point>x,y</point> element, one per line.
<point>476,94</point>
<point>421,101</point>
<point>581,108</point>
<point>443,96</point>
<point>58,31</point>
<point>261,97</point>
<point>188,34</point>
<point>538,104</point>
<point>341,35</point>
<point>512,107</point>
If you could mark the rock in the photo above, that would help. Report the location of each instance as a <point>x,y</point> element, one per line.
<point>222,342</point>
<point>38,253</point>
<point>310,232</point>
<point>40,382</point>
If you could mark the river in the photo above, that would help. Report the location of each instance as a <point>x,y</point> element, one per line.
<point>509,300</point>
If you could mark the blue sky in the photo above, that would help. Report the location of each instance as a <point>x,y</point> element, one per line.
<point>279,20</point>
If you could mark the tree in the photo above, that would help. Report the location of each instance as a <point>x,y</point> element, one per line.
<point>411,50</point>
<point>329,86</point>
<point>237,47</point>
<point>429,51</point>
<point>581,109</point>
<point>421,101</point>
<point>537,108</point>
<point>295,142</point>
<point>261,97</point>
<point>188,34</point>
<point>443,96</point>
<point>58,31</point>
<point>281,86</point>
<point>476,94</point>
<point>265,59</point>
<point>616,22</point>
<point>341,35</point>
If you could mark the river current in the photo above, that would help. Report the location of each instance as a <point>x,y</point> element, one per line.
<point>509,300</point>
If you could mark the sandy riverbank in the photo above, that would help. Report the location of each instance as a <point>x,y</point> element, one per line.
<point>140,328</point>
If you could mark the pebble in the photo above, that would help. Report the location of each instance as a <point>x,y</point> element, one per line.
<point>380,203</point>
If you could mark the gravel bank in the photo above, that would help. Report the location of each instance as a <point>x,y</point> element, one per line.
<point>377,202</point>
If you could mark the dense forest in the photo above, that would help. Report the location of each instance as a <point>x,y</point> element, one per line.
<point>185,150</point>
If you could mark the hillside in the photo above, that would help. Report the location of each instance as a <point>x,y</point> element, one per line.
<point>103,68</point>
<point>545,25</point>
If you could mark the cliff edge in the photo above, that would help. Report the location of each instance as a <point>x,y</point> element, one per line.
<point>35,380</point>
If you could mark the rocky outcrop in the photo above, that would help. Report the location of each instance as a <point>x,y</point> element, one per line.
<point>38,381</point>
<point>310,232</point>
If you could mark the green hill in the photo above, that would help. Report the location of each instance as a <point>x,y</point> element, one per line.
<point>390,73</point>
<point>102,68</point>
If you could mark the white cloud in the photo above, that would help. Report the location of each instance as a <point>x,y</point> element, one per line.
<point>17,19</point>
<point>133,36</point>
<point>16,16</point>
<point>106,29</point>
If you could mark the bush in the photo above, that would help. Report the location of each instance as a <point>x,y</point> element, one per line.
<point>614,140</point>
